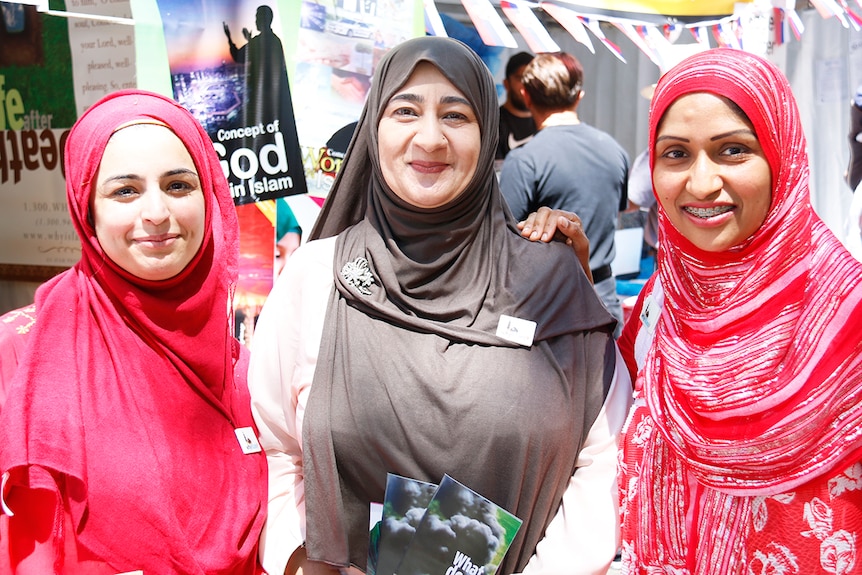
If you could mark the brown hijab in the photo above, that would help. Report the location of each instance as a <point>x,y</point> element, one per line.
<point>411,371</point>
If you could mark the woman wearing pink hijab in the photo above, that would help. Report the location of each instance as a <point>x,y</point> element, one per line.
<point>742,451</point>
<point>127,442</point>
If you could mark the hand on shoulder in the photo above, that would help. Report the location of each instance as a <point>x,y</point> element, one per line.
<point>545,225</point>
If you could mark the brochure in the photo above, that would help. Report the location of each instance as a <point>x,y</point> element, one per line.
<point>404,504</point>
<point>460,532</point>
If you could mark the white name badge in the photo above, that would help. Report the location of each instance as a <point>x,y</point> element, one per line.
<point>247,440</point>
<point>650,314</point>
<point>520,331</point>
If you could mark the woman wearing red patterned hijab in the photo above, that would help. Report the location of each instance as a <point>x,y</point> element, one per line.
<point>742,452</point>
<point>126,440</point>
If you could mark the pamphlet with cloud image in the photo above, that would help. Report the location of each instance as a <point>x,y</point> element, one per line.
<point>460,533</point>
<point>405,502</point>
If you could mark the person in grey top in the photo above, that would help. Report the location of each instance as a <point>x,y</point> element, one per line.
<point>569,165</point>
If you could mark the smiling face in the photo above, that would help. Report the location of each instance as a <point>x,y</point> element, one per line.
<point>148,206</point>
<point>710,173</point>
<point>428,139</point>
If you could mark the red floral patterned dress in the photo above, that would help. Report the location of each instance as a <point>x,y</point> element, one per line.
<point>814,529</point>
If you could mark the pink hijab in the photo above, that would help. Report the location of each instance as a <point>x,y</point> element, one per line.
<point>126,399</point>
<point>755,375</point>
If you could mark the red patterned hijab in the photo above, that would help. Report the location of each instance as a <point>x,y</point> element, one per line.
<point>755,375</point>
<point>126,397</point>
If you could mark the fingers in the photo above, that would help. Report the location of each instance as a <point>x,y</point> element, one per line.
<point>540,225</point>
<point>546,224</point>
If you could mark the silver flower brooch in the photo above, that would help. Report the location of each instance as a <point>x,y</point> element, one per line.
<point>358,274</point>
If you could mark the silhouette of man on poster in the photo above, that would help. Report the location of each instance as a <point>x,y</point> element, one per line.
<point>267,98</point>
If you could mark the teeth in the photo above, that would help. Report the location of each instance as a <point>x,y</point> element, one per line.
<point>708,212</point>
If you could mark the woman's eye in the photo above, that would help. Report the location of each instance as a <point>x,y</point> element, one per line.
<point>404,112</point>
<point>180,187</point>
<point>735,150</point>
<point>673,154</point>
<point>123,192</point>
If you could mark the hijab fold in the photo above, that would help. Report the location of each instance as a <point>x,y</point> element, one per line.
<point>129,390</point>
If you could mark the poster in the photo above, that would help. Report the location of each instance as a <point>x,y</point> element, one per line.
<point>51,69</point>
<point>228,68</point>
<point>339,44</point>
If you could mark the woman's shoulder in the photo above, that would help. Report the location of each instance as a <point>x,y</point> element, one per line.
<point>316,249</point>
<point>313,253</point>
<point>309,267</point>
<point>16,324</point>
<point>15,329</point>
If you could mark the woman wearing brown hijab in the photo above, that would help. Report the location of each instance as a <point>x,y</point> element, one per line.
<point>438,341</point>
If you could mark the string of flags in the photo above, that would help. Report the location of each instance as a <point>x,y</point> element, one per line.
<point>753,25</point>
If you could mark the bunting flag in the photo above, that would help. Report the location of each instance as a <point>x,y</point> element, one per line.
<point>642,21</point>
<point>488,23</point>
<point>795,23</point>
<point>656,39</point>
<point>570,21</point>
<point>638,36</point>
<point>778,17</point>
<point>830,8</point>
<point>669,30</point>
<point>701,35</point>
<point>433,22</point>
<point>726,36</point>
<point>855,19</point>
<point>526,22</point>
<point>595,28</point>
<point>655,11</point>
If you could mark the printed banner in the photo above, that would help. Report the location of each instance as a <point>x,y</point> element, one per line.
<point>51,69</point>
<point>103,53</point>
<point>228,68</point>
<point>339,43</point>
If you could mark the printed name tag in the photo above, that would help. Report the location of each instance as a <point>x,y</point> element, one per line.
<point>520,331</point>
<point>247,440</point>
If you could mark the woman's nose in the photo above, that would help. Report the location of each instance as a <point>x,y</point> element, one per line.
<point>704,177</point>
<point>429,136</point>
<point>154,207</point>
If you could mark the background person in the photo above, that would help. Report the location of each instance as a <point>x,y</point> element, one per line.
<point>569,165</point>
<point>742,452</point>
<point>516,121</point>
<point>118,442</point>
<point>288,233</point>
<point>641,197</point>
<point>380,349</point>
